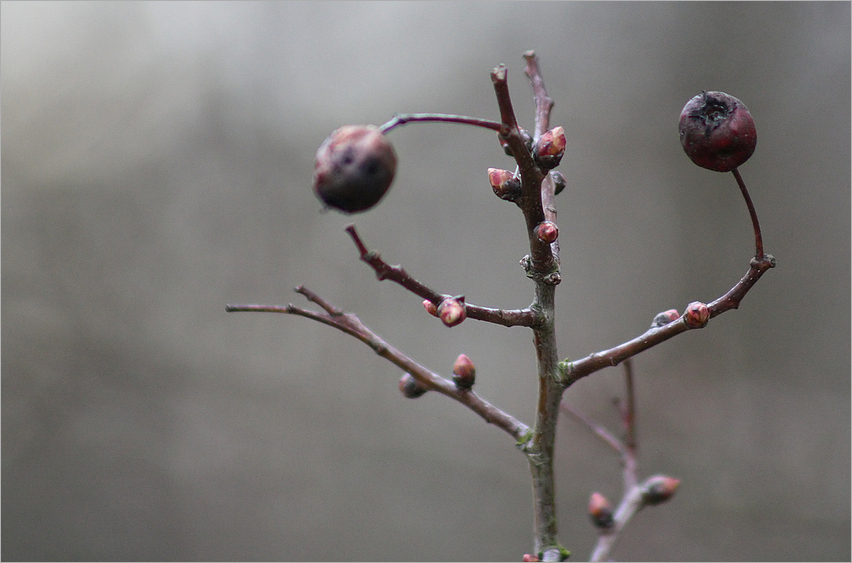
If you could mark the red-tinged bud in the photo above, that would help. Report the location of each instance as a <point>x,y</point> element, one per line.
<point>559,182</point>
<point>717,131</point>
<point>550,148</point>
<point>547,231</point>
<point>464,372</point>
<point>659,488</point>
<point>696,315</point>
<point>410,388</point>
<point>600,510</point>
<point>451,310</point>
<point>354,168</point>
<point>665,318</point>
<point>430,308</point>
<point>530,557</point>
<point>504,184</point>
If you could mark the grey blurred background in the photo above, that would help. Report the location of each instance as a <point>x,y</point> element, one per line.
<point>156,165</point>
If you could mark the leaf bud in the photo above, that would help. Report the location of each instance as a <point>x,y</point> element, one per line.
<point>430,307</point>
<point>505,184</point>
<point>410,388</point>
<point>559,182</point>
<point>665,318</point>
<point>354,168</point>
<point>600,510</point>
<point>697,314</point>
<point>717,131</point>
<point>464,372</point>
<point>452,311</point>
<point>550,148</point>
<point>659,489</point>
<point>547,231</point>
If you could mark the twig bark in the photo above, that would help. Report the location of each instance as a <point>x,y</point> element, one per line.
<point>571,371</point>
<point>654,490</point>
<point>352,325</point>
<point>384,271</point>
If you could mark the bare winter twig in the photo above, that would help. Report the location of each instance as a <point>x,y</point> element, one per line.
<point>384,271</point>
<point>352,325</point>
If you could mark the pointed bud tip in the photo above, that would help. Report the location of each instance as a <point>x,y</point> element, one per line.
<point>464,372</point>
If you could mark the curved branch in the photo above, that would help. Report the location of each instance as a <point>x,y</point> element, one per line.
<point>572,371</point>
<point>352,325</point>
<point>384,271</point>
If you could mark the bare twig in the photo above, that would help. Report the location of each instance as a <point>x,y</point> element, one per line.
<point>758,237</point>
<point>384,271</point>
<point>572,371</point>
<point>542,260</point>
<point>543,102</point>
<point>403,118</point>
<point>636,496</point>
<point>653,490</point>
<point>352,325</point>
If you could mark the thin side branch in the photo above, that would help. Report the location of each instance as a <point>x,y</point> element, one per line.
<point>384,271</point>
<point>402,119</point>
<point>572,371</point>
<point>653,490</point>
<point>352,325</point>
<point>543,102</point>
<point>758,237</point>
<point>541,258</point>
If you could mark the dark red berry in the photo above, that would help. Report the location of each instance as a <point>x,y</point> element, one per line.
<point>717,131</point>
<point>354,168</point>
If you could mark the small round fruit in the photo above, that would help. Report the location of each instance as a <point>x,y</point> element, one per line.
<point>354,168</point>
<point>717,131</point>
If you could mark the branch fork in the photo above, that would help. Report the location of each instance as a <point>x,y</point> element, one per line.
<point>535,197</point>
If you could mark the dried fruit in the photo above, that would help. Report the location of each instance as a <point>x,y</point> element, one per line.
<point>717,131</point>
<point>354,168</point>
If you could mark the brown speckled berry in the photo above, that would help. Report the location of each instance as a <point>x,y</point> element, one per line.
<point>717,131</point>
<point>354,168</point>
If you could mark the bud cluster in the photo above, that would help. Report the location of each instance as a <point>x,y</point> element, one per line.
<point>354,168</point>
